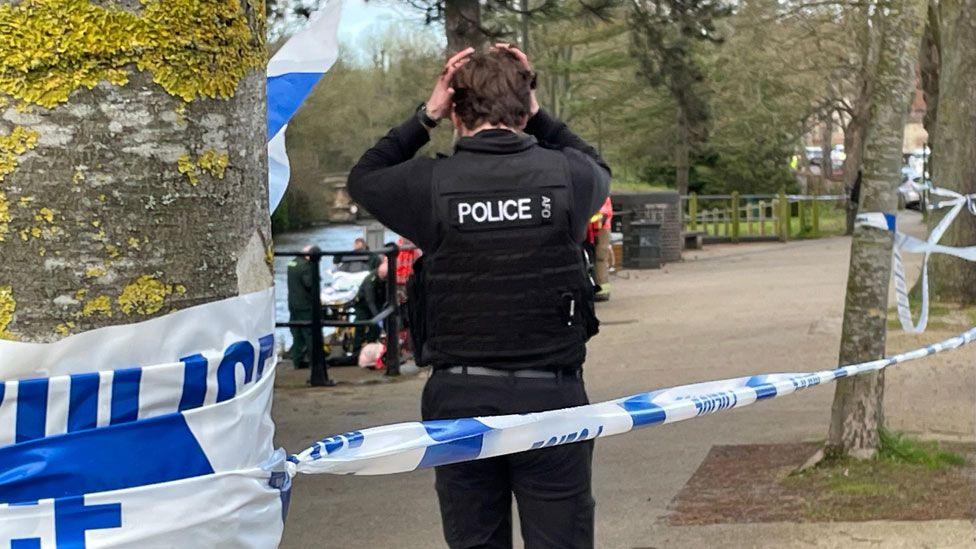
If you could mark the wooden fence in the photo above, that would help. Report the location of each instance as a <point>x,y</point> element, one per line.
<point>737,218</point>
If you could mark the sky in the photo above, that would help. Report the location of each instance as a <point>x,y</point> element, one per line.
<point>358,16</point>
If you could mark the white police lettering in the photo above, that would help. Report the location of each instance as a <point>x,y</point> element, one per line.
<point>546,207</point>
<point>493,211</point>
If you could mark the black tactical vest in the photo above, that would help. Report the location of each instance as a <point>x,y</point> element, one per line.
<point>506,286</point>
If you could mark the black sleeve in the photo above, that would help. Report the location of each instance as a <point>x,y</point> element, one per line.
<point>394,186</point>
<point>591,175</point>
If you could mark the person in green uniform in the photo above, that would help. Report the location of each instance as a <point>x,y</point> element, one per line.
<point>301,302</point>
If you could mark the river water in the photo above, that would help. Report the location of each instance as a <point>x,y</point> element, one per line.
<point>330,237</point>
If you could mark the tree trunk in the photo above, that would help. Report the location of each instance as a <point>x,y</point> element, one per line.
<point>524,26</point>
<point>856,131</point>
<point>854,149</point>
<point>952,279</point>
<point>462,23</point>
<point>826,147</point>
<point>136,197</point>
<point>857,413</point>
<point>682,146</point>
<point>929,61</point>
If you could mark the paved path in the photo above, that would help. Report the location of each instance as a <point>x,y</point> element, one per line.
<point>724,312</point>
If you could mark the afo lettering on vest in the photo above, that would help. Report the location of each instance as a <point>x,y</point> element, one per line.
<point>473,213</point>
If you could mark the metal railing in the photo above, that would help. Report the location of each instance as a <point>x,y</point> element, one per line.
<point>734,217</point>
<point>389,315</point>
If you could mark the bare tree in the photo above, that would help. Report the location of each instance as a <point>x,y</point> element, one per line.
<point>129,192</point>
<point>857,413</point>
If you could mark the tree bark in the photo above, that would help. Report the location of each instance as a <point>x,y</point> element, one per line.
<point>826,147</point>
<point>929,61</point>
<point>682,148</point>
<point>125,201</point>
<point>856,130</point>
<point>954,149</point>
<point>462,23</point>
<point>857,413</point>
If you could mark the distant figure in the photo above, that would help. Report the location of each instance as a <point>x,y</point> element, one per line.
<point>603,251</point>
<point>302,300</point>
<point>356,263</point>
<point>369,303</point>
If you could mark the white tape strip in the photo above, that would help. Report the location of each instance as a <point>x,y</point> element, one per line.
<point>416,445</point>
<point>905,243</point>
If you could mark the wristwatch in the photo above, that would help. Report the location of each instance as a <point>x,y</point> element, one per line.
<point>425,118</point>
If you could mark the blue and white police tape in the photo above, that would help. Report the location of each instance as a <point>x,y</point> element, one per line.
<point>231,435</point>
<point>905,243</point>
<point>416,445</point>
<point>292,73</point>
<point>209,330</point>
<point>240,509</point>
<point>40,407</point>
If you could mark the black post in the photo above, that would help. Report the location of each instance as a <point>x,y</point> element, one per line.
<point>392,358</point>
<point>320,370</point>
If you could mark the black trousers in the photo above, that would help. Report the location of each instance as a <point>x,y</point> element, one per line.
<point>551,485</point>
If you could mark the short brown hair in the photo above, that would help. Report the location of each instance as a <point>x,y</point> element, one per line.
<point>492,88</point>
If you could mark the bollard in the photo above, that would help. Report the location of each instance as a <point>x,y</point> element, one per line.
<point>750,219</point>
<point>784,216</point>
<point>693,211</point>
<point>815,204</point>
<point>735,216</point>
<point>762,218</point>
<point>802,211</point>
<point>319,371</point>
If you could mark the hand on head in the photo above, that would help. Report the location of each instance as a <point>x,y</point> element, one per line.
<point>439,104</point>
<point>520,55</point>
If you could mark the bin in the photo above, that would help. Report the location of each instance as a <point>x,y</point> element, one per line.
<point>642,244</point>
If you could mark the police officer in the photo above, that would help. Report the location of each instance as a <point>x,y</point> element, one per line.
<point>301,301</point>
<point>508,301</point>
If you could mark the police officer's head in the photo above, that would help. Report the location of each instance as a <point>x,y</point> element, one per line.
<point>492,89</point>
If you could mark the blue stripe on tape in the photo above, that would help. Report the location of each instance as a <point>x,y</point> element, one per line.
<point>642,411</point>
<point>194,382</point>
<point>459,440</point>
<point>72,518</point>
<point>125,395</point>
<point>159,449</point>
<point>891,220</point>
<point>3,389</point>
<point>83,402</point>
<point>31,410</point>
<point>285,95</point>
<point>241,353</point>
<point>265,351</point>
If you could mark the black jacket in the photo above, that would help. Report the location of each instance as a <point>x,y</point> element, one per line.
<point>396,187</point>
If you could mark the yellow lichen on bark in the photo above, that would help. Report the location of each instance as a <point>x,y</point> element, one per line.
<point>192,48</point>
<point>145,296</point>
<point>210,161</point>
<point>214,163</point>
<point>19,141</point>
<point>7,307</point>
<point>100,305</point>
